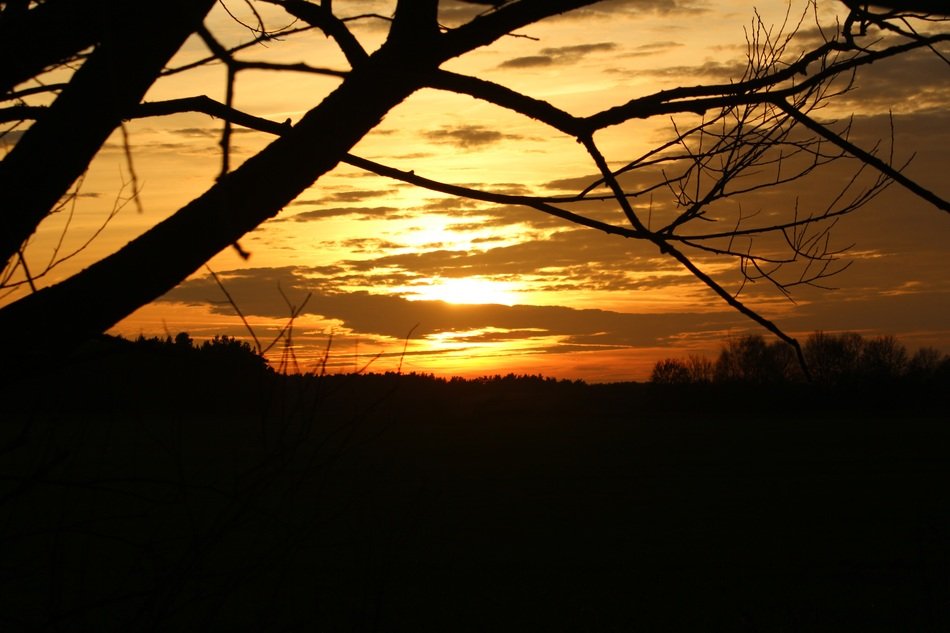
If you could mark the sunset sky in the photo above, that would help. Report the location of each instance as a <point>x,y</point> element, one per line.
<point>458,287</point>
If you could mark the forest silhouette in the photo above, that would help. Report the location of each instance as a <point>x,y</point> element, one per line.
<point>164,484</point>
<point>850,375</point>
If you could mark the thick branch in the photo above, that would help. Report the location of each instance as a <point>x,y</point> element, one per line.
<point>101,92</point>
<point>208,106</point>
<point>415,24</point>
<point>298,67</point>
<point>154,263</point>
<point>507,98</point>
<point>491,26</point>
<point>868,158</point>
<point>926,7</point>
<point>322,18</point>
<point>47,35</point>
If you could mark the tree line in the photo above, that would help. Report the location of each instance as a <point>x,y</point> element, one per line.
<point>841,359</point>
<point>833,360</point>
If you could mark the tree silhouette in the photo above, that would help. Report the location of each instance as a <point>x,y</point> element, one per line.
<point>765,121</point>
<point>883,358</point>
<point>750,359</point>
<point>670,371</point>
<point>689,371</point>
<point>836,360</point>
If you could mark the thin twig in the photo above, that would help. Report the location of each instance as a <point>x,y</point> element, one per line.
<point>257,343</point>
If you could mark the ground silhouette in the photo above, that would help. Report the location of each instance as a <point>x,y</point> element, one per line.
<point>164,485</point>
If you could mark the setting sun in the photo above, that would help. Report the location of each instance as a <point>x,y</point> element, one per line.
<point>468,290</point>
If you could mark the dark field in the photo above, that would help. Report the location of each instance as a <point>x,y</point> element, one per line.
<point>180,496</point>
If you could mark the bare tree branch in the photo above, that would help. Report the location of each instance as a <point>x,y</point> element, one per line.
<point>322,17</point>
<point>47,35</point>
<point>508,99</point>
<point>99,102</point>
<point>867,157</point>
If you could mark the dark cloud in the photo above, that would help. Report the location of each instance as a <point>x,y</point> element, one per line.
<point>577,259</point>
<point>256,292</point>
<point>455,12</point>
<point>495,335</point>
<point>368,244</point>
<point>574,183</point>
<point>900,314</point>
<point>484,214</point>
<point>183,147</point>
<point>209,132</point>
<point>326,271</point>
<point>468,136</point>
<point>716,71</point>
<point>641,177</point>
<point>452,205</point>
<point>335,212</point>
<point>558,55</point>
<point>913,80</point>
<point>507,188</point>
<point>500,215</point>
<point>487,240</point>
<point>411,156</point>
<point>579,50</point>
<point>654,48</point>
<point>609,8</point>
<point>908,82</point>
<point>193,132</point>
<point>528,61</point>
<point>510,188</point>
<point>922,136</point>
<point>354,196</point>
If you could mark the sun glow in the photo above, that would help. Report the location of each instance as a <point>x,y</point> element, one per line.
<point>467,290</point>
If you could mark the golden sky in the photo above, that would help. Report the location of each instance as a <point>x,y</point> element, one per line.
<point>397,274</point>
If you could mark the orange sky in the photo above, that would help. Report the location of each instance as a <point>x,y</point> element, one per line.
<point>471,288</point>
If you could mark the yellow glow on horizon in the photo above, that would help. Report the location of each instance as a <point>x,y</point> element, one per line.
<point>466,290</point>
